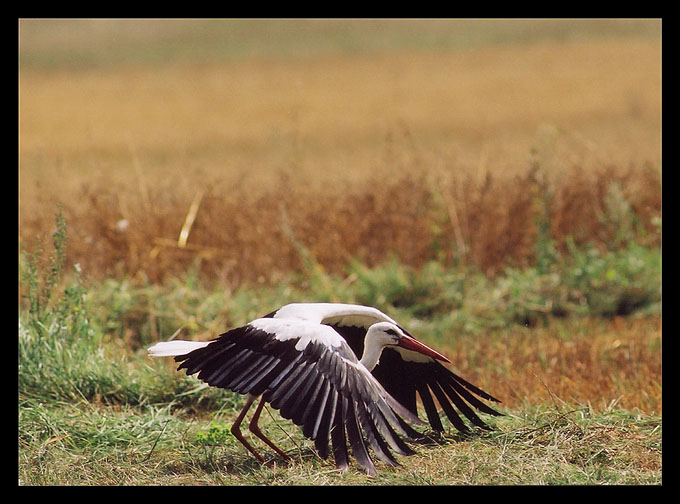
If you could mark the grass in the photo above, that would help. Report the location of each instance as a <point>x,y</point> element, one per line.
<point>268,234</point>
<point>85,444</point>
<point>581,392</point>
<point>100,43</point>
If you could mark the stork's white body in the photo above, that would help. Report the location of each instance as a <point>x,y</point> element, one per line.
<point>303,360</point>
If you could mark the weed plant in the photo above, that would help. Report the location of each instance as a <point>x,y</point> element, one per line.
<point>60,352</point>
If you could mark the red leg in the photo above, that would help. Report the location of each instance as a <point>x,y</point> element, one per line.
<point>236,431</point>
<point>255,429</point>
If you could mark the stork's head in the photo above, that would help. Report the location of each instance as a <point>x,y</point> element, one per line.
<point>386,334</point>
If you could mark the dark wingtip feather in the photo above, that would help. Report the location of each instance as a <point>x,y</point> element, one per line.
<point>356,441</point>
<point>338,439</point>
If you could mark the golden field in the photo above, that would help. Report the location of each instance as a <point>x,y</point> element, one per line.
<point>354,155</point>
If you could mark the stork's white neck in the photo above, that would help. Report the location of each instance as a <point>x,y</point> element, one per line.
<point>373,347</point>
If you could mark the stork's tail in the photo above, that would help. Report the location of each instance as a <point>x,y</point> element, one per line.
<point>175,347</point>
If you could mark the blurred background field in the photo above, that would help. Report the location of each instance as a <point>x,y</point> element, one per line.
<point>493,184</point>
<point>354,138</point>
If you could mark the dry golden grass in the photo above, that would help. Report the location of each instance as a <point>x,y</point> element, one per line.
<point>415,152</point>
<point>239,236</point>
<point>604,363</point>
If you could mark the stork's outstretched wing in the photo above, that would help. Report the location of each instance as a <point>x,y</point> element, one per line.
<point>311,375</point>
<point>405,375</point>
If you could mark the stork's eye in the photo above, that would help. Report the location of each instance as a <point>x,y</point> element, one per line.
<point>391,332</point>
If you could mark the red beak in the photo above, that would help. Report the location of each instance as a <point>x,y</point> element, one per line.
<point>410,343</point>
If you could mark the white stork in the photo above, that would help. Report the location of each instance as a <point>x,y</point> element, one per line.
<point>302,359</point>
